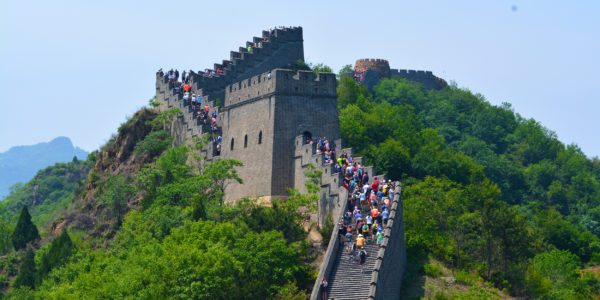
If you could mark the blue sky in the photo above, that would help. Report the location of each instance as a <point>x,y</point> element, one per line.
<point>79,68</point>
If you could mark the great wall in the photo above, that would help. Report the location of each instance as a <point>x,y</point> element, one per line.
<point>265,113</point>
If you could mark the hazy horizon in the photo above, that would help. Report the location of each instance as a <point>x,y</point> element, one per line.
<point>78,69</point>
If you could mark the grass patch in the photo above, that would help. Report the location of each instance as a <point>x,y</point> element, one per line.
<point>432,270</point>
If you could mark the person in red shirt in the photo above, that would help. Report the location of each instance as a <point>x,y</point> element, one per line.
<point>187,87</point>
<point>375,185</point>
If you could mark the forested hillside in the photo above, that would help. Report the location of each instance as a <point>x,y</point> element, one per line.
<point>486,190</point>
<point>148,221</point>
<point>494,197</point>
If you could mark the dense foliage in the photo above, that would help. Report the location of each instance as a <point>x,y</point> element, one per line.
<point>48,193</point>
<point>486,190</point>
<point>170,250</point>
<point>56,255</point>
<point>183,243</point>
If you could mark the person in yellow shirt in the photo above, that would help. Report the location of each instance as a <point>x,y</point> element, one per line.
<point>360,241</point>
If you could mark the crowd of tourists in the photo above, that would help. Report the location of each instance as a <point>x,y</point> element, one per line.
<point>368,210</point>
<point>201,111</point>
<point>328,150</point>
<point>367,214</point>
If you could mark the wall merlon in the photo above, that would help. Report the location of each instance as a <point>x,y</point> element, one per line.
<point>305,82</point>
<point>233,55</point>
<point>284,81</point>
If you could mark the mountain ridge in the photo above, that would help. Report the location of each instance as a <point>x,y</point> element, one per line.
<point>21,163</point>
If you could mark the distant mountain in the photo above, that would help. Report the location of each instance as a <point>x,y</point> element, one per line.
<point>20,163</point>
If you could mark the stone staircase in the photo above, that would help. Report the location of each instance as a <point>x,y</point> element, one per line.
<point>350,280</point>
<point>189,125</point>
<point>380,276</point>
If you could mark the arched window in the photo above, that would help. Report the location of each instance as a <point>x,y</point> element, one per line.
<point>260,137</point>
<point>246,141</point>
<point>231,146</point>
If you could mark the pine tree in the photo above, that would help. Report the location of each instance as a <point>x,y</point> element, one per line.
<point>60,250</point>
<point>25,231</point>
<point>26,275</point>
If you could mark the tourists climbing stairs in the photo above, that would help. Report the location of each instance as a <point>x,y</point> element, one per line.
<point>349,279</point>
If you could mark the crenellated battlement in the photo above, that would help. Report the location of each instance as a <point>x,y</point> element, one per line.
<point>277,48</point>
<point>411,72</point>
<point>426,78</point>
<point>285,82</point>
<point>373,69</point>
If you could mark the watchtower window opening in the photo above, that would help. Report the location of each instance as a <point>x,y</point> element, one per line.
<point>232,142</point>
<point>306,137</point>
<point>246,141</point>
<point>260,137</point>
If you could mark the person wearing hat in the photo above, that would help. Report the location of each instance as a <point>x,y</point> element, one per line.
<point>360,241</point>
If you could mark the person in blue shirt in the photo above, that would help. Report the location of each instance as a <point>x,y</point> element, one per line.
<point>357,215</point>
<point>385,215</point>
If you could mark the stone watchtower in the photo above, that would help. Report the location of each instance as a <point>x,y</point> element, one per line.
<point>262,107</point>
<point>381,66</point>
<point>264,114</point>
<point>261,119</point>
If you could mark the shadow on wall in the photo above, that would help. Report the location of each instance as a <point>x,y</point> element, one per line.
<point>413,283</point>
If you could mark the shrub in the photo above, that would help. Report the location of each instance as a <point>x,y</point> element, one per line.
<point>463,277</point>
<point>154,143</point>
<point>327,229</point>
<point>432,270</point>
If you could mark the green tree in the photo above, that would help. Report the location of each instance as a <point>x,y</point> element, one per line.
<point>60,250</point>
<point>5,236</point>
<point>349,92</point>
<point>392,157</point>
<point>116,193</point>
<point>553,273</point>
<point>300,65</point>
<point>26,275</point>
<point>164,119</point>
<point>154,143</point>
<point>25,231</point>
<point>321,68</point>
<point>345,71</point>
